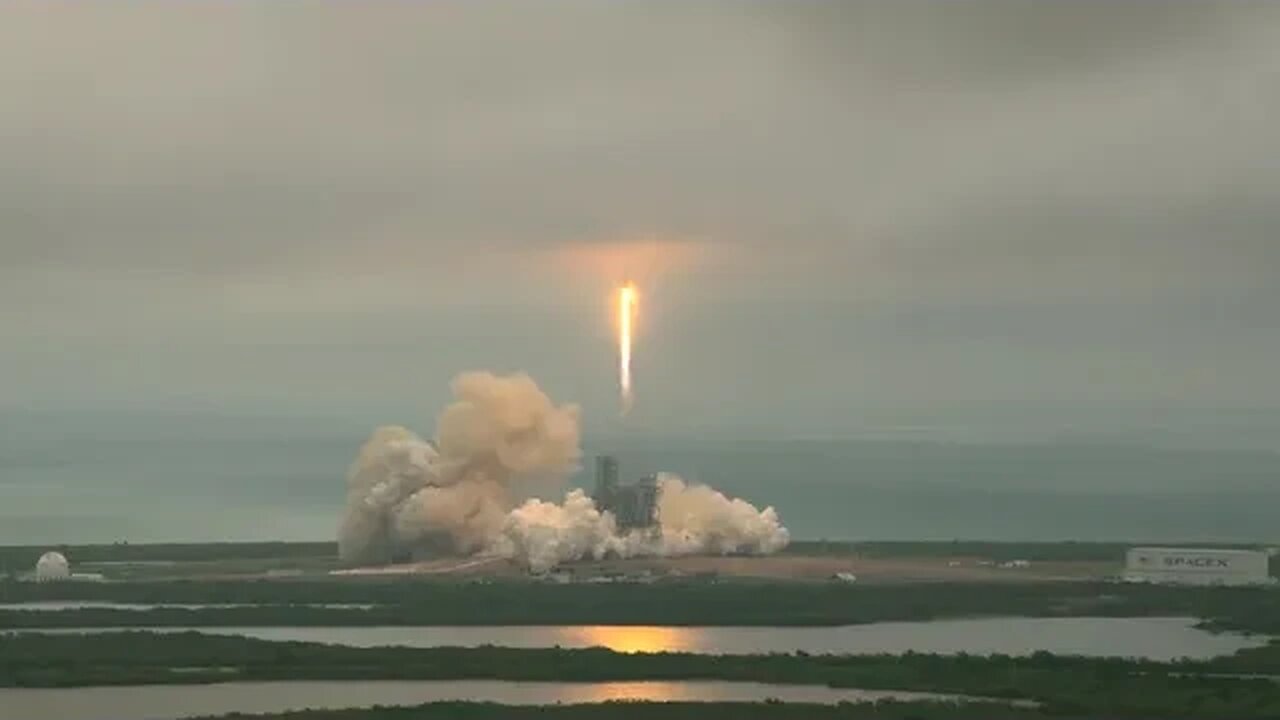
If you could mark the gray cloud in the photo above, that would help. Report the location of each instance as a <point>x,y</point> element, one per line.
<point>185,186</point>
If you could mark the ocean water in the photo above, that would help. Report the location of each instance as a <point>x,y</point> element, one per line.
<point>151,478</point>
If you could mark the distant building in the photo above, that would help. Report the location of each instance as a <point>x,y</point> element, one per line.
<point>633,506</point>
<point>52,567</point>
<point>1186,566</point>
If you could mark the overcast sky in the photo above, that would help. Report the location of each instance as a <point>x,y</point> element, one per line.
<point>840,214</point>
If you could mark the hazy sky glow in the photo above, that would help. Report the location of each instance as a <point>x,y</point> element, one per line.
<point>839,214</point>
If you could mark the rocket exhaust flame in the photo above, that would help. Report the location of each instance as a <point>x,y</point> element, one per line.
<point>626,316</point>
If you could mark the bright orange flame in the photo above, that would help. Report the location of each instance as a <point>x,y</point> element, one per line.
<point>626,315</point>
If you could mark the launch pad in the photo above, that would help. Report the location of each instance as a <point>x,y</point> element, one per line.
<point>634,505</point>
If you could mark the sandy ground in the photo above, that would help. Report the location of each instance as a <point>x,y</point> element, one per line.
<point>785,568</point>
<point>428,567</point>
<point>866,570</point>
<point>795,568</point>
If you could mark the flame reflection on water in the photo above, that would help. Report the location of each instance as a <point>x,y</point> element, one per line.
<point>636,638</point>
<point>651,691</point>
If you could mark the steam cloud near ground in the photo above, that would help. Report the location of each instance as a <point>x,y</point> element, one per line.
<point>473,491</point>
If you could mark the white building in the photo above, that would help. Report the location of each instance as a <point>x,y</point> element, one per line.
<point>52,566</point>
<point>1188,566</point>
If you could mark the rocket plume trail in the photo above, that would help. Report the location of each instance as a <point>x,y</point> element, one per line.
<point>626,313</point>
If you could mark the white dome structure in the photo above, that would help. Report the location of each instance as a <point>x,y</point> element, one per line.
<point>52,566</point>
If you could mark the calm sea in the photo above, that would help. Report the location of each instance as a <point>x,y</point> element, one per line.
<point>141,478</point>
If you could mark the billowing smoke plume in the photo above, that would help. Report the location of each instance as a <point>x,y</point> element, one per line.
<point>404,493</point>
<point>692,519</point>
<point>497,444</point>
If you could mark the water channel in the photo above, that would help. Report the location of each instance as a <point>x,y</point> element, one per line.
<point>163,702</point>
<point>1148,638</point>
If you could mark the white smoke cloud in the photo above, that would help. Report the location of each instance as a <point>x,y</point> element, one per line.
<point>501,438</point>
<point>544,534</point>
<point>692,520</point>
<point>699,519</point>
<point>404,493</point>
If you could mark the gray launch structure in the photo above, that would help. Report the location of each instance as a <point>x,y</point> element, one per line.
<point>634,505</point>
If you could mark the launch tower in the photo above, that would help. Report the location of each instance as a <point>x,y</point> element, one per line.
<point>634,505</point>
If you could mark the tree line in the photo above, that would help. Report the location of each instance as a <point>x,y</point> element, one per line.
<point>684,602</point>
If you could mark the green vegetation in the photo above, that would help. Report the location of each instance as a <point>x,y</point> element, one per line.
<point>24,556</point>
<point>417,602</point>
<point>126,561</point>
<point>995,551</point>
<point>671,711</point>
<point>1066,685</point>
<point>20,557</point>
<point>175,561</point>
<point>1069,551</point>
